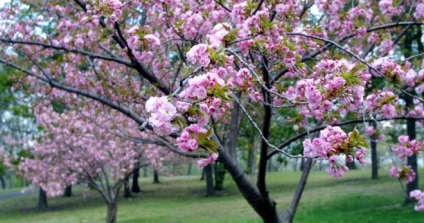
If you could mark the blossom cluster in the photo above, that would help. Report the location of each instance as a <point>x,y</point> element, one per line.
<point>188,139</point>
<point>419,197</point>
<point>333,141</point>
<point>405,173</point>
<point>162,112</point>
<point>383,102</point>
<point>405,148</point>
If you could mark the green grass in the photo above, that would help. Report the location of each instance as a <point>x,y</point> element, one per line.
<point>354,198</point>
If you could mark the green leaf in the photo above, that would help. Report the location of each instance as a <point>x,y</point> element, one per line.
<point>210,145</point>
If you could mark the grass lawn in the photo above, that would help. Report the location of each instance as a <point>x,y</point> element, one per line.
<point>354,198</point>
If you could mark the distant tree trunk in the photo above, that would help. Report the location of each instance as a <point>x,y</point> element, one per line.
<point>3,182</point>
<point>251,161</point>
<point>156,177</point>
<point>374,158</point>
<point>351,166</point>
<point>42,199</point>
<point>412,160</point>
<point>174,168</point>
<point>302,164</point>
<point>68,191</point>
<point>190,167</point>
<point>202,177</point>
<point>210,191</point>
<point>112,210</point>
<point>320,165</point>
<point>219,176</point>
<point>135,186</point>
<point>127,189</point>
<point>294,164</point>
<point>145,171</point>
<point>270,165</point>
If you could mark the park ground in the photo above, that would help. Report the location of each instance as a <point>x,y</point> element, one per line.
<point>353,198</point>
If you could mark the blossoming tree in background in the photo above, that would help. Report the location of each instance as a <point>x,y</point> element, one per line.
<point>189,71</point>
<point>77,146</point>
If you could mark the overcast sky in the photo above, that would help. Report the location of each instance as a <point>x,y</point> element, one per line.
<point>2,2</point>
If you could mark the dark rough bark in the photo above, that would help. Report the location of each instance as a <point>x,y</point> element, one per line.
<point>412,160</point>
<point>374,157</point>
<point>263,159</point>
<point>263,207</point>
<point>68,191</point>
<point>219,176</point>
<point>42,199</point>
<point>3,182</point>
<point>127,189</point>
<point>156,177</point>
<point>210,191</point>
<point>112,210</point>
<point>135,186</point>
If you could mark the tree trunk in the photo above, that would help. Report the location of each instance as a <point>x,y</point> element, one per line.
<point>68,191</point>
<point>210,191</point>
<point>294,164</point>
<point>135,186</point>
<point>374,157</point>
<point>288,215</point>
<point>264,207</point>
<point>251,161</point>
<point>219,176</point>
<point>412,35</point>
<point>412,160</point>
<point>202,177</point>
<point>127,189</point>
<point>190,167</point>
<point>112,210</point>
<point>155,177</point>
<point>174,168</point>
<point>269,166</point>
<point>320,165</point>
<point>3,182</point>
<point>352,165</point>
<point>145,171</point>
<point>42,199</point>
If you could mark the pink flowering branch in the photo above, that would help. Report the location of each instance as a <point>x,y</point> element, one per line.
<point>301,135</point>
<point>61,48</point>
<point>81,92</point>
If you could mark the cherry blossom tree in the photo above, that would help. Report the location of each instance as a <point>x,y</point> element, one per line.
<point>77,146</point>
<point>190,70</point>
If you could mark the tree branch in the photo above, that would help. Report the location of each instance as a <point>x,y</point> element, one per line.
<point>82,52</point>
<point>301,135</point>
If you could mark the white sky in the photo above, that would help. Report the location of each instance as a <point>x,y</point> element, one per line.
<point>2,2</point>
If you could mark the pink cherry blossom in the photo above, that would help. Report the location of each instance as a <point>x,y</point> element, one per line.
<point>211,159</point>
